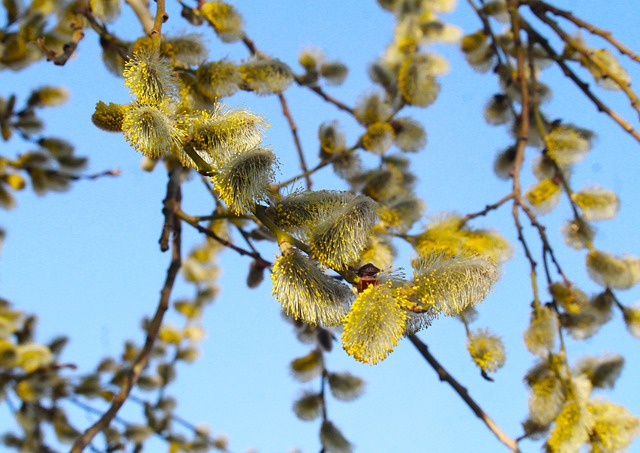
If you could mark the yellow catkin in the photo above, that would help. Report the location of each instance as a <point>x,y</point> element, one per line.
<point>374,325</point>
<point>306,293</point>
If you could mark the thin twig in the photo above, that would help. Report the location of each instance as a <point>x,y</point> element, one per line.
<point>624,85</point>
<point>160,18</point>
<point>444,375</point>
<point>194,223</point>
<point>251,47</point>
<point>487,208</point>
<point>582,85</point>
<point>327,97</point>
<point>523,133</point>
<point>604,34</point>
<point>543,237</point>
<point>143,358</point>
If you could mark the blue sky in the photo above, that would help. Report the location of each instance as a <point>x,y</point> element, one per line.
<point>88,262</point>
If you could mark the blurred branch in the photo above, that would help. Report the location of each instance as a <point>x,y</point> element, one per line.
<point>327,97</point>
<point>604,34</point>
<point>444,375</point>
<point>170,203</point>
<point>152,333</point>
<point>523,133</point>
<point>582,85</point>
<point>77,35</point>
<point>625,86</point>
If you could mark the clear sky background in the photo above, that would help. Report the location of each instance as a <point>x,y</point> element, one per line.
<point>88,262</point>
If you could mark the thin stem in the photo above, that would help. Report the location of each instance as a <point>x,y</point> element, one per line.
<point>523,133</point>
<point>142,360</point>
<point>444,375</point>
<point>251,47</point>
<point>327,97</point>
<point>545,240</point>
<point>307,173</point>
<point>194,223</point>
<point>582,85</point>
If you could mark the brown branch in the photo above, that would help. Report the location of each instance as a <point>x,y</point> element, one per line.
<point>545,240</point>
<point>604,34</point>
<point>143,358</point>
<point>583,86</point>
<point>251,47</point>
<point>523,133</point>
<point>444,375</point>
